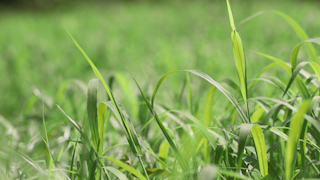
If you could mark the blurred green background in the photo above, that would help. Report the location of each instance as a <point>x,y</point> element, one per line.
<point>149,38</point>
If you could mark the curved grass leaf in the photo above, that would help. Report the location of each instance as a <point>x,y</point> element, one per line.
<point>300,32</point>
<point>296,49</point>
<point>218,86</point>
<point>127,167</point>
<point>116,172</point>
<point>299,82</point>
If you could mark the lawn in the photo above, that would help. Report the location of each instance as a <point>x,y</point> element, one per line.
<point>46,82</point>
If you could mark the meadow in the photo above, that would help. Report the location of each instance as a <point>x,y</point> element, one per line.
<point>160,90</point>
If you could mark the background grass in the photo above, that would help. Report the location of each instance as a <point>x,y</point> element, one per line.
<point>147,38</point>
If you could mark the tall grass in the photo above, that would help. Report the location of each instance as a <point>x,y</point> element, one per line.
<point>266,127</point>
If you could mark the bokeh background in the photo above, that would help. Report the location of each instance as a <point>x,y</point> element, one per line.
<point>147,38</point>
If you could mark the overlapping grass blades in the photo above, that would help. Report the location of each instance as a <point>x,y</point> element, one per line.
<point>127,125</point>
<point>206,77</point>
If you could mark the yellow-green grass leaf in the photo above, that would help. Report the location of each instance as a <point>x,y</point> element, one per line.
<point>207,117</point>
<point>259,141</point>
<point>101,121</point>
<point>239,58</point>
<point>294,134</point>
<point>240,64</point>
<point>230,16</point>
<point>261,150</point>
<point>127,167</point>
<point>157,172</point>
<point>163,152</point>
<point>257,114</point>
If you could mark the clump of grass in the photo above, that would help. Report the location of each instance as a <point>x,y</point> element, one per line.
<point>255,136</point>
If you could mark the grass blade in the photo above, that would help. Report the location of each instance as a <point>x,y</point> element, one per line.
<point>116,172</point>
<point>127,167</point>
<point>294,133</point>
<point>239,58</point>
<point>132,136</point>
<point>92,113</point>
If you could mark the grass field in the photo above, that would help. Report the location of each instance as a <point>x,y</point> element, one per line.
<point>51,126</point>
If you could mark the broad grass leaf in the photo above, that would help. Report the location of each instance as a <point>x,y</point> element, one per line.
<point>116,172</point>
<point>127,167</point>
<point>294,134</point>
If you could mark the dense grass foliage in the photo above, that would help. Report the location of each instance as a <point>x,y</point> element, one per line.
<point>237,114</point>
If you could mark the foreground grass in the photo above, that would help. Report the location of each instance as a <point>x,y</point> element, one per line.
<point>254,128</point>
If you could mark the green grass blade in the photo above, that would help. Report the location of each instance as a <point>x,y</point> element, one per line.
<point>183,163</point>
<point>92,112</point>
<point>243,134</point>
<point>132,137</point>
<point>116,172</point>
<point>207,114</point>
<point>239,58</point>
<point>296,50</point>
<point>261,149</point>
<point>101,121</point>
<point>294,134</point>
<point>300,32</point>
<point>127,167</point>
<point>278,61</point>
<point>190,103</point>
<point>303,36</point>
<point>206,77</point>
<point>299,82</point>
<point>207,117</point>
<point>163,153</point>
<point>233,27</point>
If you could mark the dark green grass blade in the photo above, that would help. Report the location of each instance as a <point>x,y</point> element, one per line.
<point>92,112</point>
